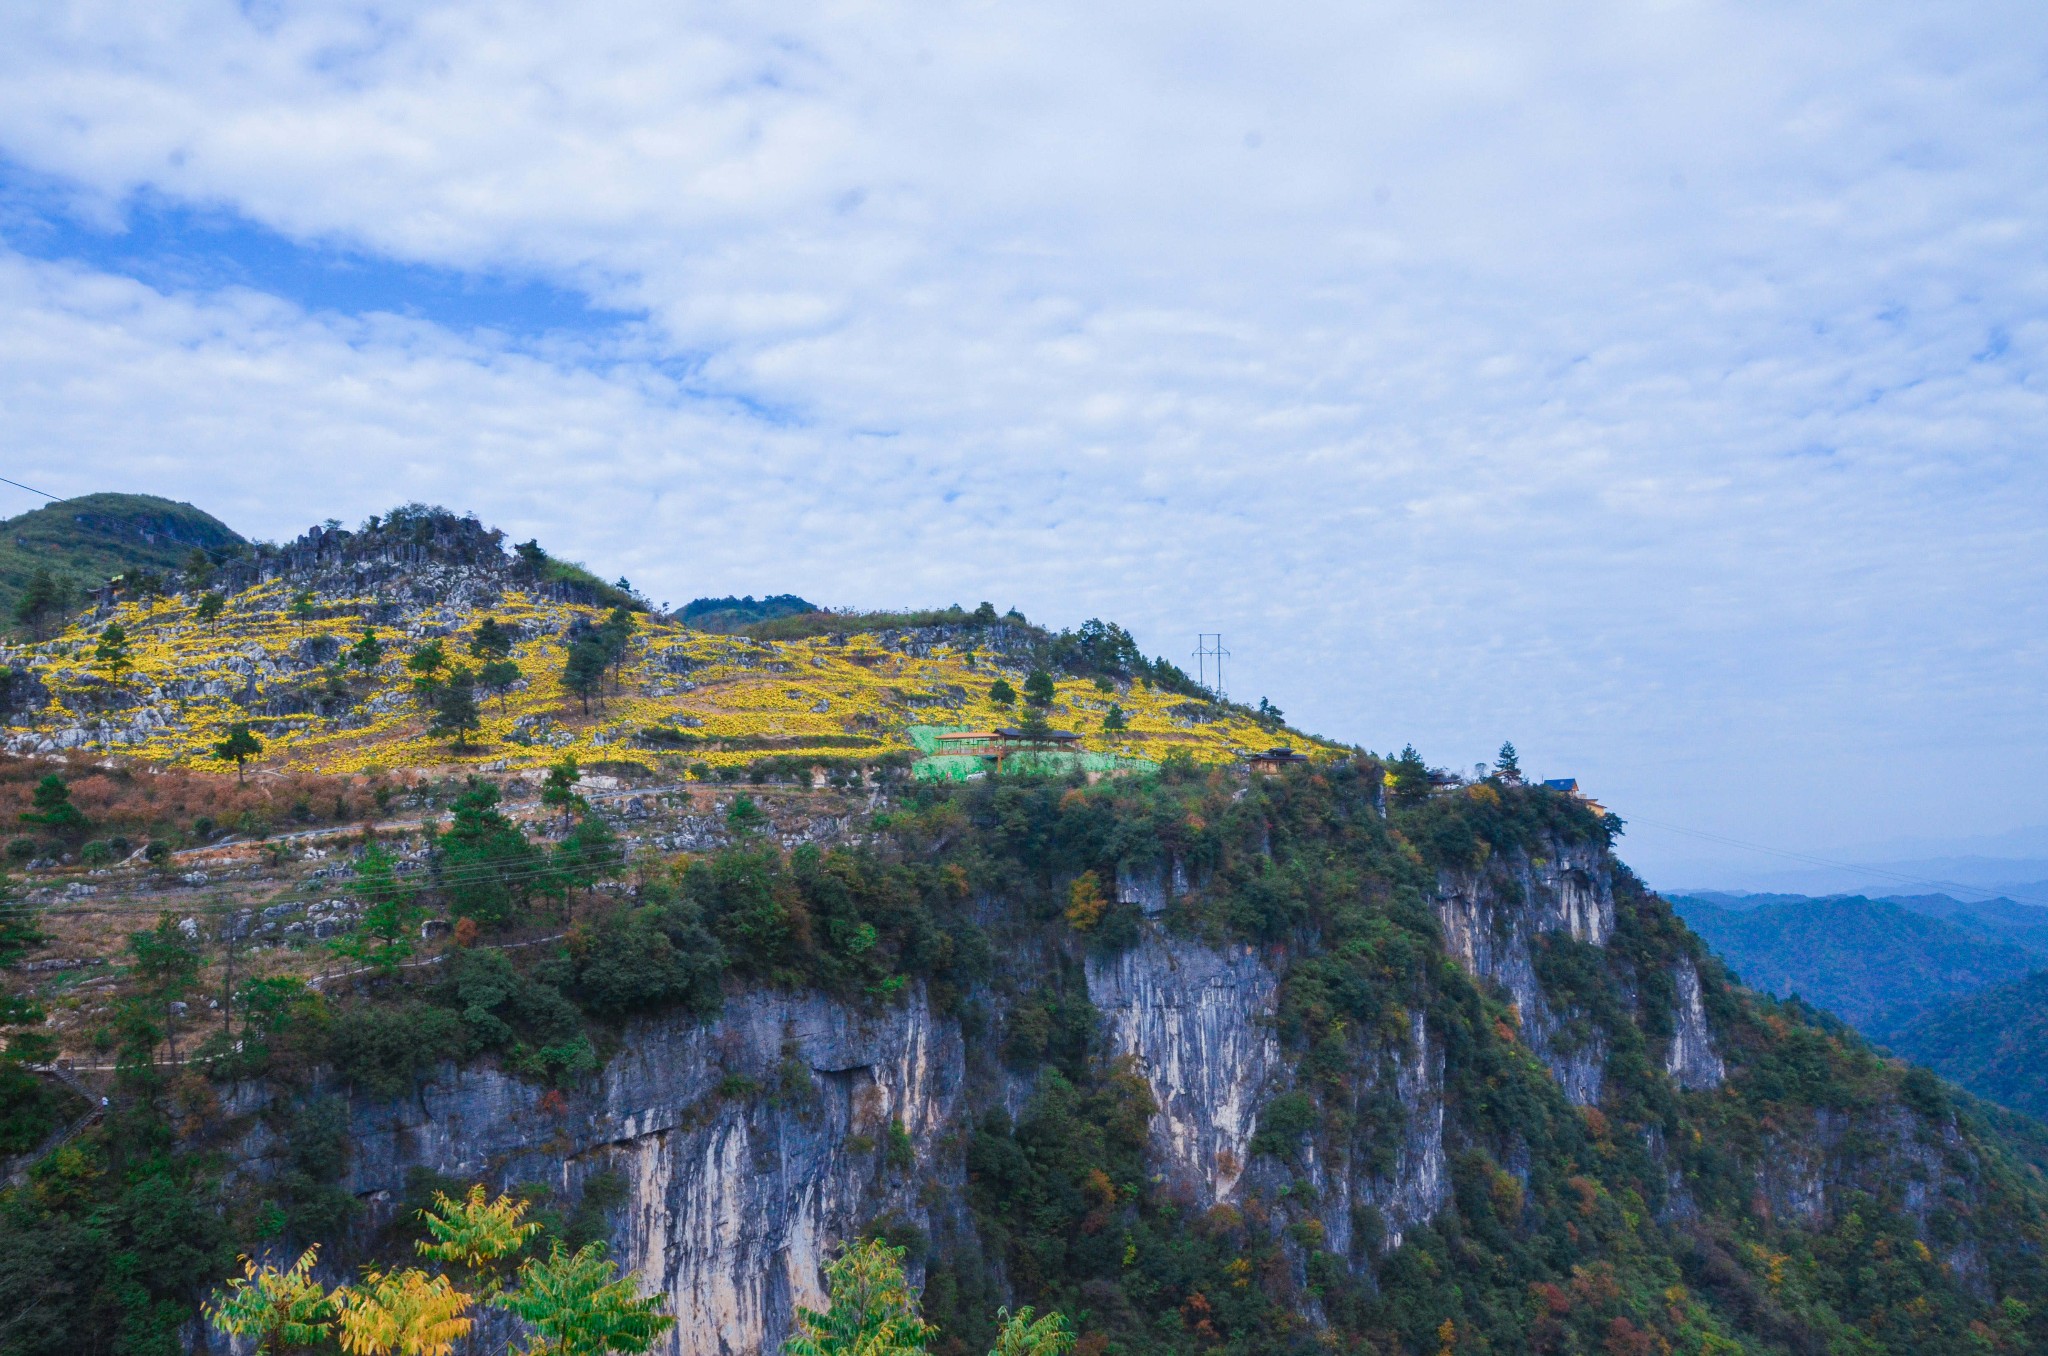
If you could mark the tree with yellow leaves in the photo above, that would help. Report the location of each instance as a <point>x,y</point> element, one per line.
<point>280,1308</point>
<point>402,1313</point>
<point>1085,901</point>
<point>475,1233</point>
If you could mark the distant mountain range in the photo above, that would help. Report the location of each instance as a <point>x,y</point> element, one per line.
<point>1958,985</point>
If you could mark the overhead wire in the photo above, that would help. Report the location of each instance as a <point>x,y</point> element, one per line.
<point>53,498</point>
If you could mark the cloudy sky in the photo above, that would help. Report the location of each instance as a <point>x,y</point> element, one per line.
<point>1659,385</point>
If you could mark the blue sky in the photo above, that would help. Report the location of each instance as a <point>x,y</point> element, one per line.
<point>1659,386</point>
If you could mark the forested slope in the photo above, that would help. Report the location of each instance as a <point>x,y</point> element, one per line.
<point>1267,1064</point>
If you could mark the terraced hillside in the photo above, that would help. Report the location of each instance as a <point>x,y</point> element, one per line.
<point>282,649</point>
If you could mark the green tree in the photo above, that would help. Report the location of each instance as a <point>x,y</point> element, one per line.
<point>590,853</point>
<point>483,861</point>
<point>558,791</point>
<point>164,961</point>
<point>208,611</point>
<point>1408,778</point>
<point>112,650</point>
<point>54,810</point>
<point>872,1311</point>
<point>476,1233</point>
<point>19,933</point>
<point>1115,720</point>
<point>424,666</point>
<point>283,1309</point>
<point>27,1107</point>
<point>43,602</point>
<point>198,568</point>
<point>383,936</point>
<point>1038,688</point>
<point>1506,766</point>
<point>1271,716</point>
<point>1022,1334</point>
<point>744,817</point>
<point>455,711</point>
<point>493,640</point>
<point>583,672</point>
<point>239,747</point>
<point>304,605</point>
<point>368,652</point>
<point>1001,693</point>
<point>578,1305</point>
<point>616,633</point>
<point>498,678</point>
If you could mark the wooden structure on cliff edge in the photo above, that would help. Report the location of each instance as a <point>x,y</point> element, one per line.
<point>996,745</point>
<point>1276,759</point>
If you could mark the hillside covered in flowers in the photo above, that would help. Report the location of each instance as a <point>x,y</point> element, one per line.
<point>420,641</point>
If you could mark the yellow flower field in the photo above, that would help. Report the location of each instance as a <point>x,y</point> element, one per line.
<point>185,683</point>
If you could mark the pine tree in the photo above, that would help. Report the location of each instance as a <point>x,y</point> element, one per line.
<point>455,711</point>
<point>498,677</point>
<point>383,936</point>
<point>583,673</point>
<point>239,747</point>
<point>368,652</point>
<point>493,640</point>
<point>558,791</point>
<point>43,602</point>
<point>484,861</point>
<point>112,649</point>
<point>208,611</point>
<point>1408,778</point>
<point>54,810</point>
<point>1038,688</point>
<point>1506,767</point>
<point>1001,693</point>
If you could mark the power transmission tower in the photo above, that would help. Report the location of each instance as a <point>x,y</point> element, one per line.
<point>1209,647</point>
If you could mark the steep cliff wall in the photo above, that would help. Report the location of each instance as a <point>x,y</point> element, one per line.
<point>1491,918</point>
<point>749,1145</point>
<point>1273,1093</point>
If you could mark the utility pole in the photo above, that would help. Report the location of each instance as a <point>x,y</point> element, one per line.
<point>1208,647</point>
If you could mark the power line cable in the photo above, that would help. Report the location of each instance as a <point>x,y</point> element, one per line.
<point>53,498</point>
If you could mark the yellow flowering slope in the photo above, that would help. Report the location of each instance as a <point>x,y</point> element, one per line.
<point>718,699</point>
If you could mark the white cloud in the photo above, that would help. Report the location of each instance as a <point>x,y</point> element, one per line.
<point>1659,385</point>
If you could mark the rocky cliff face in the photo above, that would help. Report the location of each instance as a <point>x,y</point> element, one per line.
<point>1198,1024</point>
<point>752,1143</point>
<point>1491,919</point>
<point>749,1146</point>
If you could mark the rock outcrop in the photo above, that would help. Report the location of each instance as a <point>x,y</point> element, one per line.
<point>1491,919</point>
